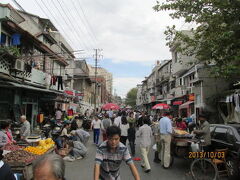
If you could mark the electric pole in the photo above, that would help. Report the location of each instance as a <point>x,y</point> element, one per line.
<point>95,74</point>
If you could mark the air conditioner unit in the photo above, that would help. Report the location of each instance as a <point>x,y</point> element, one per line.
<point>19,65</point>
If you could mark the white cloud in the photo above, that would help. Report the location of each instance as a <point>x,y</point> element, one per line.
<point>123,85</point>
<point>127,30</point>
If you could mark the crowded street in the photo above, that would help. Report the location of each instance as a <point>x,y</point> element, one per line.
<point>178,171</point>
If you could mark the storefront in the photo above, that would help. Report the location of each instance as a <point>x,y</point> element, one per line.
<point>186,109</point>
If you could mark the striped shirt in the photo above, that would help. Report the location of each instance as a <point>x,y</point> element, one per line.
<point>110,162</point>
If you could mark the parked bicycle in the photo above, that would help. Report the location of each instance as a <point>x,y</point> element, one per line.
<point>202,167</point>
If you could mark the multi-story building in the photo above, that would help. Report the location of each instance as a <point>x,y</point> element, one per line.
<point>183,83</point>
<point>32,65</point>
<point>103,82</point>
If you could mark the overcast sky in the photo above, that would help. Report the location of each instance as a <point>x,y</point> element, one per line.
<point>130,33</point>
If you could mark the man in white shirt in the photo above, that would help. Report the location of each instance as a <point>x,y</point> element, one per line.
<point>110,113</point>
<point>58,114</point>
<point>96,126</point>
<point>117,120</point>
<point>145,134</point>
<point>25,128</point>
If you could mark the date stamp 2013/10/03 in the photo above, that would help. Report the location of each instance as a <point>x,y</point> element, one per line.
<point>208,155</point>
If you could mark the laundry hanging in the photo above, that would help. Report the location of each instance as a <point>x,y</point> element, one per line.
<point>16,39</point>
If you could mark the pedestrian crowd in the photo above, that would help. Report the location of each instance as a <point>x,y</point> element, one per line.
<point>116,128</point>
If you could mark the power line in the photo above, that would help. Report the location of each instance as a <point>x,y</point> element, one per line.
<point>90,35</point>
<point>53,18</point>
<point>77,24</point>
<point>71,24</point>
<point>89,25</point>
<point>76,37</point>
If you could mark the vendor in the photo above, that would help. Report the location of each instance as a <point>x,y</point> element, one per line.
<point>181,124</point>
<point>204,131</point>
<point>25,128</point>
<point>65,129</point>
<point>5,128</point>
<point>64,135</point>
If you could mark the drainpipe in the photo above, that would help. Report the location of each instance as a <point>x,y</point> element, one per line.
<point>201,92</point>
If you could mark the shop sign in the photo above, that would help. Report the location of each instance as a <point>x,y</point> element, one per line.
<point>153,98</point>
<point>69,92</point>
<point>177,102</point>
<point>191,97</point>
<point>77,93</point>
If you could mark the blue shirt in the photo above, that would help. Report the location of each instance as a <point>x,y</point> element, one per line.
<point>165,125</point>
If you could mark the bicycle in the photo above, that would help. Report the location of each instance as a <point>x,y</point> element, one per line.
<point>202,168</point>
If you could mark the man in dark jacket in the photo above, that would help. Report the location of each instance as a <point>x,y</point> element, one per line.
<point>131,138</point>
<point>5,170</point>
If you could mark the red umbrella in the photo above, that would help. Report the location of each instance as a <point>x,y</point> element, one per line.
<point>109,106</point>
<point>161,106</point>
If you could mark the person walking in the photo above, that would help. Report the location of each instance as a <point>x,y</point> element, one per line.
<point>165,139</point>
<point>96,126</point>
<point>132,137</point>
<point>156,133</point>
<point>124,126</point>
<point>109,156</point>
<point>145,134</point>
<point>131,118</point>
<point>117,120</point>
<point>106,122</point>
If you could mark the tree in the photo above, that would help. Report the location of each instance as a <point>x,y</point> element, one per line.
<point>216,38</point>
<point>131,97</point>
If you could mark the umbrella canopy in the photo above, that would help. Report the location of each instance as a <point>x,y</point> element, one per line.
<point>109,106</point>
<point>161,106</point>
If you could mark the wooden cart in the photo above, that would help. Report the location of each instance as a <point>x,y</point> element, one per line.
<point>181,145</point>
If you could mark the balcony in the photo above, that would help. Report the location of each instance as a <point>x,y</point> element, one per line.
<point>159,97</point>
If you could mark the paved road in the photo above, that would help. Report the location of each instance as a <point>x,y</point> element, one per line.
<point>83,169</point>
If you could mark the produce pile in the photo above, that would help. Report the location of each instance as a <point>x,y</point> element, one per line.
<point>20,156</point>
<point>11,147</point>
<point>180,132</point>
<point>43,147</point>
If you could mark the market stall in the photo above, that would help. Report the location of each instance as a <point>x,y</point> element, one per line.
<point>20,158</point>
<point>181,143</point>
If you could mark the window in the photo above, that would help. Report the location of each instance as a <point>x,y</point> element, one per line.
<point>180,82</point>
<point>211,129</point>
<point>220,134</point>
<point>238,130</point>
<point>176,58</point>
<point>230,137</point>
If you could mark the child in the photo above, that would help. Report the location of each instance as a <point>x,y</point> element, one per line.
<point>131,138</point>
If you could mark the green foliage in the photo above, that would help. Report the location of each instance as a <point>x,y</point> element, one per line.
<point>131,97</point>
<point>216,38</point>
<point>12,50</point>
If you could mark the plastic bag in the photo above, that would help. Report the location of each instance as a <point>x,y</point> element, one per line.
<point>195,147</point>
<point>154,147</point>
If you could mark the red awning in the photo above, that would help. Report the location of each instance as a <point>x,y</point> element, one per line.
<point>69,92</point>
<point>186,104</point>
<point>177,102</point>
